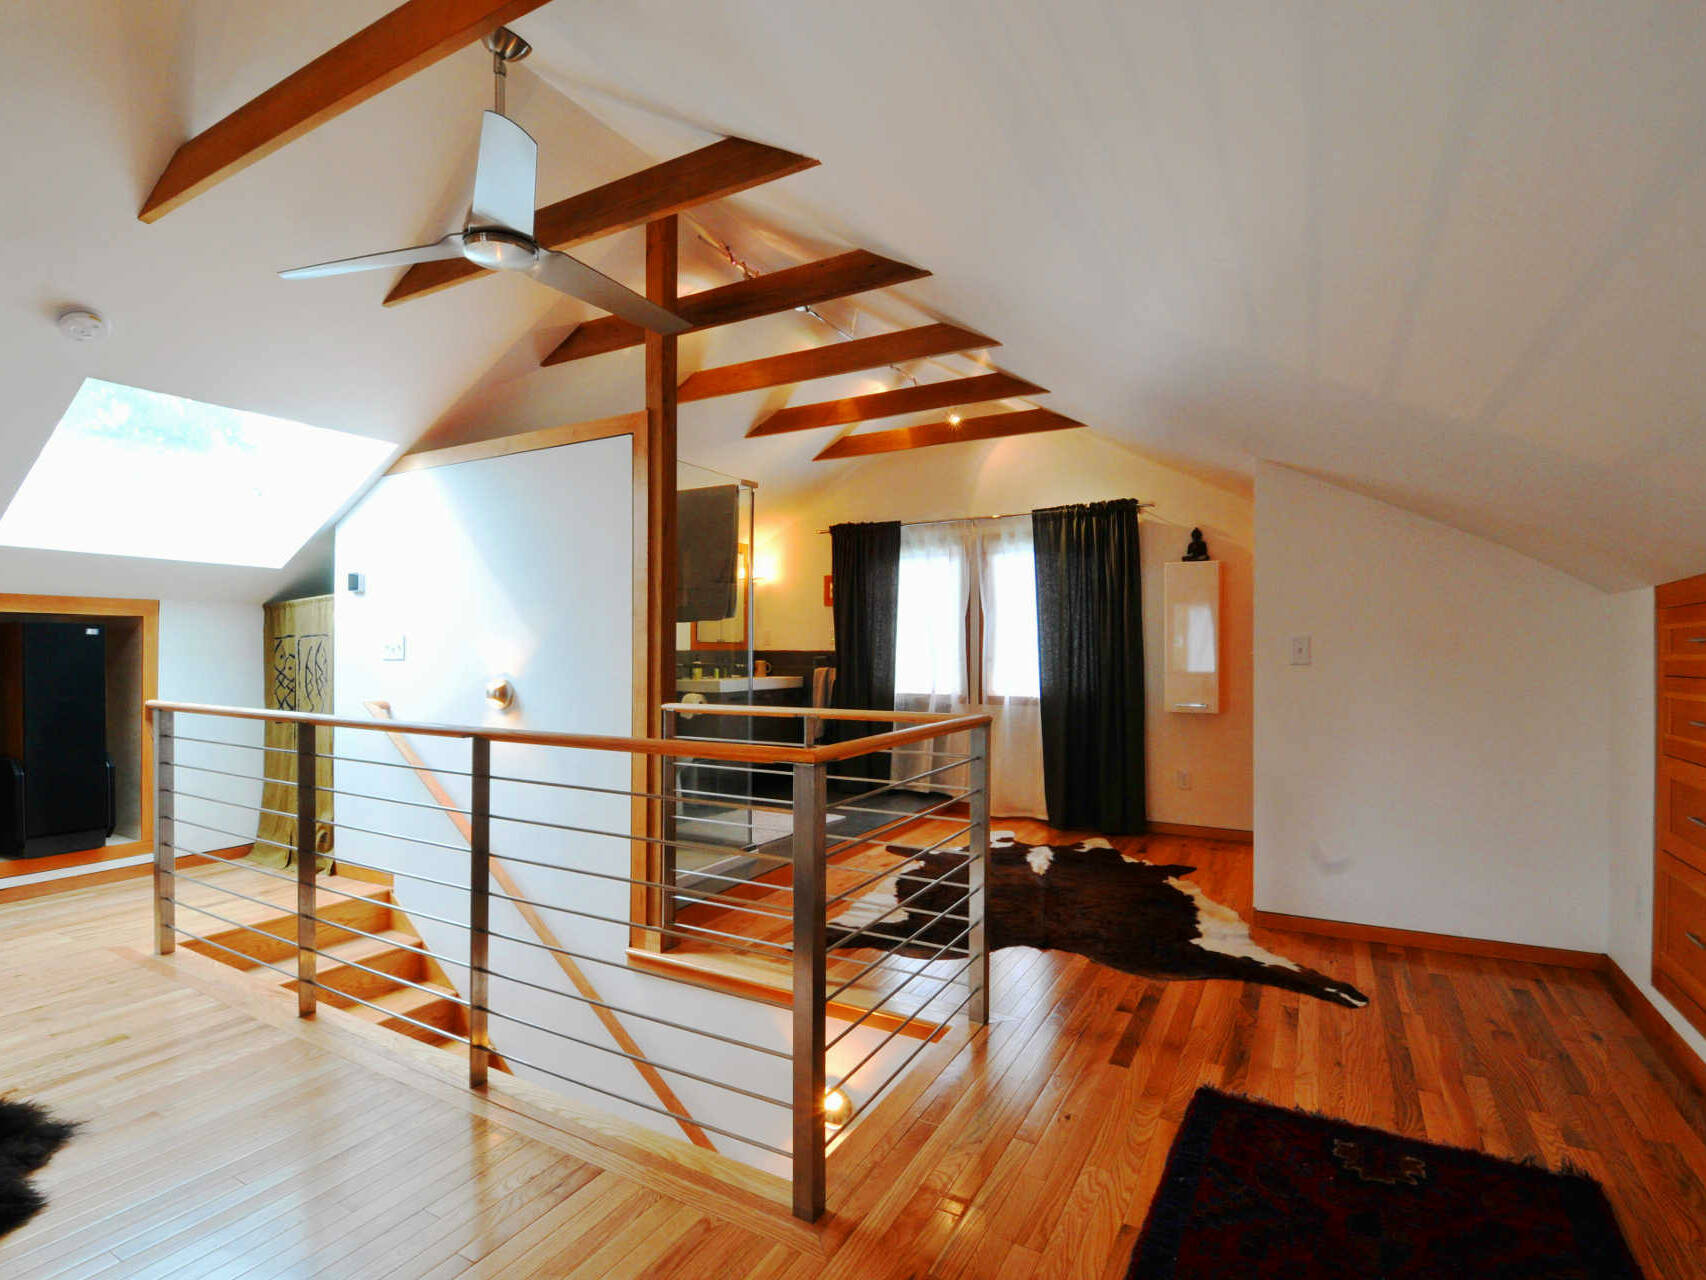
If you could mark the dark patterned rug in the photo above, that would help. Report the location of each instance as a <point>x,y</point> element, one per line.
<point>29,1135</point>
<point>1139,917</point>
<point>1261,1191</point>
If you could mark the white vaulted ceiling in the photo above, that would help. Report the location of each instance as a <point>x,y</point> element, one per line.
<point>1448,252</point>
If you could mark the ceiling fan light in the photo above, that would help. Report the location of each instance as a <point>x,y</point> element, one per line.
<point>498,250</point>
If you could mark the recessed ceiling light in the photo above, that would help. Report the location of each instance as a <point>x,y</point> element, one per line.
<point>953,419</point>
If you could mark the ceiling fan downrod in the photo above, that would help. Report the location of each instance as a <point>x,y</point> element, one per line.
<point>506,47</point>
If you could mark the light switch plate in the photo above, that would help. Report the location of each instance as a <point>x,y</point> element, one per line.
<point>1300,651</point>
<point>395,649</point>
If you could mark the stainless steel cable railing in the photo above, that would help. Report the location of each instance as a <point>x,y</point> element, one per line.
<point>744,854</point>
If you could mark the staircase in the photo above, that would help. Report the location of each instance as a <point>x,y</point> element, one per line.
<point>353,967</point>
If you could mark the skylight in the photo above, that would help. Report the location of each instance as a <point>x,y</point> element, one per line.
<point>139,473</point>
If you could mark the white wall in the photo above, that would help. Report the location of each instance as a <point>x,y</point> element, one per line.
<point>210,651</point>
<point>1020,474</point>
<point>1443,763</point>
<point>1629,887</point>
<point>521,565</point>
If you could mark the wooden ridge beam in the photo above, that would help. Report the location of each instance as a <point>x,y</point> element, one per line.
<point>856,271</point>
<point>886,404</point>
<point>412,36</point>
<point>991,426</point>
<point>724,168</point>
<point>831,359</point>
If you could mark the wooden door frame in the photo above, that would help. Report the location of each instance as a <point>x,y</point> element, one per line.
<point>146,614</point>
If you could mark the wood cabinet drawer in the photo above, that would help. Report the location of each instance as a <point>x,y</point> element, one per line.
<point>1679,942</point>
<point>1682,641</point>
<point>1682,727</point>
<point>1685,811</point>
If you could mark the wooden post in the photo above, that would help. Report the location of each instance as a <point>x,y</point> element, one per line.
<point>654,576</point>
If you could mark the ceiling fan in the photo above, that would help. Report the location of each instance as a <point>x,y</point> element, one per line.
<point>498,232</point>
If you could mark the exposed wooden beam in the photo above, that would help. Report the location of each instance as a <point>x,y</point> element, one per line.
<point>412,36</point>
<point>991,426</point>
<point>831,359</point>
<point>886,404</point>
<point>710,173</point>
<point>802,286</point>
<point>622,424</point>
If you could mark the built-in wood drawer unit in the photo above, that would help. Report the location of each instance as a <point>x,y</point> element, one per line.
<point>1679,939</point>
<point>1679,879</point>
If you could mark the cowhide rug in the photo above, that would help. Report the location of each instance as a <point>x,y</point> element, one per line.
<point>1088,898</point>
<point>29,1135</point>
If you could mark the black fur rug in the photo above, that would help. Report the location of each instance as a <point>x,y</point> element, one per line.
<point>1138,917</point>
<point>29,1135</point>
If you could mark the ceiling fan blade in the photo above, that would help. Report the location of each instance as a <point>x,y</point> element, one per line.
<point>572,276</point>
<point>449,247</point>
<point>504,176</point>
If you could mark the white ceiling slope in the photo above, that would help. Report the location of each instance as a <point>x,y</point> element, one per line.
<point>94,97</point>
<point>1448,252</point>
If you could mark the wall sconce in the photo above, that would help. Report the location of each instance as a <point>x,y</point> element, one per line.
<point>837,1109</point>
<point>500,693</point>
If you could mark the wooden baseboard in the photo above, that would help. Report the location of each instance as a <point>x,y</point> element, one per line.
<point>1486,947</point>
<point>1655,1026</point>
<point>65,884</point>
<point>12,867</point>
<point>1232,835</point>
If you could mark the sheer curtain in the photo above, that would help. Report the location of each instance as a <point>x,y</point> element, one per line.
<point>936,571</point>
<point>952,575</point>
<point>1011,680</point>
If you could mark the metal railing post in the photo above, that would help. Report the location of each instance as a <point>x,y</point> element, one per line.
<point>165,855</point>
<point>479,911</point>
<point>977,869</point>
<point>307,860</point>
<point>810,803</point>
<point>668,788</point>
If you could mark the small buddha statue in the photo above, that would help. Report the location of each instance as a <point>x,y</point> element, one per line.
<point>1197,548</point>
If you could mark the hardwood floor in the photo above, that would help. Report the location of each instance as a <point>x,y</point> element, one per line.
<point>225,1138</point>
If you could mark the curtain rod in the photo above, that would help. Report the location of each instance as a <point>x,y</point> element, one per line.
<point>1142,506</point>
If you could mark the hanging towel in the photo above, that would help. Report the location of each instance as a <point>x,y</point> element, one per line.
<point>707,534</point>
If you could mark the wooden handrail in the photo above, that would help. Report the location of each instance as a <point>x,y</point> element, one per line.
<point>926,725</point>
<point>816,713</point>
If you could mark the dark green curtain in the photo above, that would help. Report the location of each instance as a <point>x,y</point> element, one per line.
<point>866,564</point>
<point>1090,633</point>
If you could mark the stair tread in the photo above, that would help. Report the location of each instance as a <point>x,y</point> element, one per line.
<point>278,898</point>
<point>410,999</point>
<point>360,948</point>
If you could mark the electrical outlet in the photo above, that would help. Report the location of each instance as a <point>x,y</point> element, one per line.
<point>1300,651</point>
<point>395,649</point>
<point>1183,778</point>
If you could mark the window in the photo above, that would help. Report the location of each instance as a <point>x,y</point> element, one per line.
<point>930,617</point>
<point>140,473</point>
<point>966,622</point>
<point>1011,666</point>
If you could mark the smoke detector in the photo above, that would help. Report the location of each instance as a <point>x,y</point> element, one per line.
<point>81,325</point>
